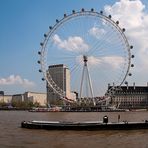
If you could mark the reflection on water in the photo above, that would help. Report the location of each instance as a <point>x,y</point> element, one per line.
<point>11,135</point>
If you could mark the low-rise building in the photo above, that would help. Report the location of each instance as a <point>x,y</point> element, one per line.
<point>34,97</point>
<point>129,97</point>
<point>6,98</point>
<point>18,98</point>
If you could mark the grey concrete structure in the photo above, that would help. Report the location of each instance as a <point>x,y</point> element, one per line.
<point>61,76</point>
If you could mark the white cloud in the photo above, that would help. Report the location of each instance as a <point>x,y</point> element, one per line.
<point>75,44</point>
<point>109,61</point>
<point>129,12</point>
<point>16,80</point>
<point>132,15</point>
<point>97,32</point>
<point>94,61</point>
<point>113,61</point>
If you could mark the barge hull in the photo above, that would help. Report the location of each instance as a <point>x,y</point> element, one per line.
<point>85,126</point>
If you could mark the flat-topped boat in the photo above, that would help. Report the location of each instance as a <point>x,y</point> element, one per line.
<point>87,125</point>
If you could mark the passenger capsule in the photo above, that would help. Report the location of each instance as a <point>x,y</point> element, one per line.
<point>130,74</point>
<point>65,15</point>
<point>39,52</point>
<point>57,20</point>
<point>101,12</point>
<point>45,35</point>
<point>92,10</point>
<point>39,62</point>
<point>131,47</point>
<point>41,44</point>
<point>126,82</point>
<point>110,16</point>
<point>82,10</point>
<point>43,79</point>
<point>117,22</point>
<point>132,65</point>
<point>50,27</point>
<point>132,56</point>
<point>123,29</point>
<point>40,70</point>
<point>73,11</point>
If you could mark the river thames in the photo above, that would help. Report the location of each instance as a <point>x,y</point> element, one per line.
<point>13,136</point>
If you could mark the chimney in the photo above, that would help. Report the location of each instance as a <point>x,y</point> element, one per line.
<point>127,85</point>
<point>113,84</point>
<point>108,85</point>
<point>134,85</point>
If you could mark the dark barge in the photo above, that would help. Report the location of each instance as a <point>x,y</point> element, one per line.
<point>93,125</point>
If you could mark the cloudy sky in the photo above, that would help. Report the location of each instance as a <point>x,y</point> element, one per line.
<point>23,23</point>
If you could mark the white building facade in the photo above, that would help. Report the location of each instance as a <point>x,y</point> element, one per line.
<point>5,98</point>
<point>61,76</point>
<point>34,97</point>
<point>131,97</point>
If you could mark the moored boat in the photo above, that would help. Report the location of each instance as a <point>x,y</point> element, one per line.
<point>87,125</point>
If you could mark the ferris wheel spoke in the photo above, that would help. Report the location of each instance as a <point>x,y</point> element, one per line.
<point>99,91</point>
<point>95,39</point>
<point>111,45</point>
<point>105,69</point>
<point>61,59</point>
<point>107,51</point>
<point>75,67</point>
<point>81,29</point>
<point>100,44</point>
<point>104,43</point>
<point>102,38</point>
<point>61,54</point>
<point>76,79</point>
<point>110,65</point>
<point>87,31</point>
<point>68,51</point>
<point>77,30</point>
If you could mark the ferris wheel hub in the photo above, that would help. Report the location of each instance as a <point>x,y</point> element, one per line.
<point>85,58</point>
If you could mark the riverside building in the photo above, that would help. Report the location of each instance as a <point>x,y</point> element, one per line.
<point>5,98</point>
<point>131,97</point>
<point>33,97</point>
<point>61,76</point>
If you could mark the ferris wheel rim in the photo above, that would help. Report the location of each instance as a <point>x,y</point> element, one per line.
<point>62,21</point>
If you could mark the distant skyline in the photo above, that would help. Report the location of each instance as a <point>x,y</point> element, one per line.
<point>23,23</point>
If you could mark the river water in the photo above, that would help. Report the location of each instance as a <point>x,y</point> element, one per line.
<point>13,136</point>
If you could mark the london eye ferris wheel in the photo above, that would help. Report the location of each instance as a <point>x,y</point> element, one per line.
<point>95,50</point>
